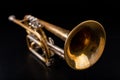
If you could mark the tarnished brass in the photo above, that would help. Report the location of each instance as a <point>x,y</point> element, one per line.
<point>83,45</point>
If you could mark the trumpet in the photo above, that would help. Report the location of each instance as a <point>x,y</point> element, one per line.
<point>83,46</point>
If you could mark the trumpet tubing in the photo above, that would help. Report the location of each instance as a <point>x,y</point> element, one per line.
<point>83,45</point>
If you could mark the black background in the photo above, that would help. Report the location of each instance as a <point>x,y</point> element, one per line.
<point>16,61</point>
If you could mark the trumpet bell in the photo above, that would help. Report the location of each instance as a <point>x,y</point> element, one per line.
<point>85,45</point>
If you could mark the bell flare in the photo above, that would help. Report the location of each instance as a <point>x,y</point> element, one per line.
<point>84,45</point>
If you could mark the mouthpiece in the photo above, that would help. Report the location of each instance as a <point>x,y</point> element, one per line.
<point>12,17</point>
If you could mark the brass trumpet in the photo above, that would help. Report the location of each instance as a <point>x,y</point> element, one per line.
<point>83,45</point>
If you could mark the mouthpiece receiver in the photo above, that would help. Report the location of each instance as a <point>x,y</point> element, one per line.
<point>11,18</point>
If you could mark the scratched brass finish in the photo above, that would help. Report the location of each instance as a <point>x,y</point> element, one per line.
<point>83,45</point>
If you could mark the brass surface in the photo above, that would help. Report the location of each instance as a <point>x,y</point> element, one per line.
<point>83,45</point>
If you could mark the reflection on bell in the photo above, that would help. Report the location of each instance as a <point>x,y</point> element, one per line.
<point>82,61</point>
